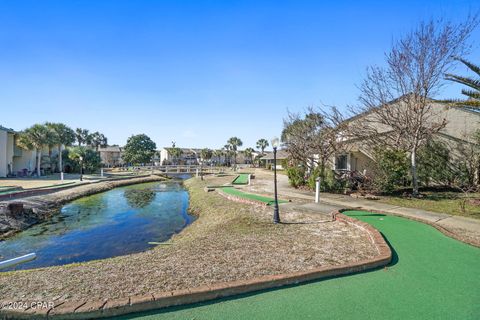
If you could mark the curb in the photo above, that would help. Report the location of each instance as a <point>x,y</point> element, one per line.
<point>108,308</point>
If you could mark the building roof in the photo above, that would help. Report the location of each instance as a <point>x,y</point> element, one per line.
<point>9,130</point>
<point>111,149</point>
<point>281,154</point>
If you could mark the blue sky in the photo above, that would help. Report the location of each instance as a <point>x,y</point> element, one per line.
<point>197,72</point>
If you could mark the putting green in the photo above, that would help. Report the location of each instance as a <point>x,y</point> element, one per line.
<point>431,277</point>
<point>250,196</point>
<point>242,178</point>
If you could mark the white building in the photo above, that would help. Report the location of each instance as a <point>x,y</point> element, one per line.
<point>15,161</point>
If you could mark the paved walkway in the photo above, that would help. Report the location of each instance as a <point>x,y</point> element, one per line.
<point>445,220</point>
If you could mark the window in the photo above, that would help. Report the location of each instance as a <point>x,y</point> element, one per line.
<point>341,162</point>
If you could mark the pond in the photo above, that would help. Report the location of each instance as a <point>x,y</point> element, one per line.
<point>117,222</point>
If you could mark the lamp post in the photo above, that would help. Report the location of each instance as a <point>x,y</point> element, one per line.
<point>81,168</point>
<point>276,216</point>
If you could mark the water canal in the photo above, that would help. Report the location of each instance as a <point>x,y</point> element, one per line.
<point>117,222</point>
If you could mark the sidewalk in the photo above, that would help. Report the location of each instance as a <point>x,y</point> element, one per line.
<point>462,228</point>
<point>443,219</point>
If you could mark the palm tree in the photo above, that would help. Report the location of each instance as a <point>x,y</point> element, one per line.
<point>82,136</point>
<point>97,140</point>
<point>176,153</point>
<point>262,144</point>
<point>473,94</point>
<point>34,138</point>
<point>234,143</point>
<point>206,154</point>
<point>227,151</point>
<point>249,154</point>
<point>51,142</point>
<point>218,155</point>
<point>65,136</point>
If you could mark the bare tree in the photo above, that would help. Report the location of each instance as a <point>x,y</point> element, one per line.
<point>312,138</point>
<point>396,100</point>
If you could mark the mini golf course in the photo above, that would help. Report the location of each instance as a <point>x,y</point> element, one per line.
<point>431,277</point>
<point>242,178</point>
<point>249,196</point>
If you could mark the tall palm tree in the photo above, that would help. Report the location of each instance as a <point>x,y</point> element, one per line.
<point>234,143</point>
<point>262,144</point>
<point>97,140</point>
<point>82,136</point>
<point>473,94</point>
<point>65,136</point>
<point>249,154</point>
<point>51,142</point>
<point>227,151</point>
<point>34,138</point>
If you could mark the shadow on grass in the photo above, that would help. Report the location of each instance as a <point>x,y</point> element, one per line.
<point>367,215</point>
<point>166,311</point>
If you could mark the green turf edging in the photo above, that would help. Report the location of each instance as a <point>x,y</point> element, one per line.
<point>249,196</point>
<point>242,178</point>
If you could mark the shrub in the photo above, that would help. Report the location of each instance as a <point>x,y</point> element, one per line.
<point>391,169</point>
<point>328,183</point>
<point>296,176</point>
<point>433,164</point>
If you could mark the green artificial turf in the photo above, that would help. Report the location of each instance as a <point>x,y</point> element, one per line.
<point>241,194</point>
<point>242,178</point>
<point>431,277</point>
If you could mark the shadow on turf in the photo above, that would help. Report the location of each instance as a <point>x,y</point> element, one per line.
<point>392,263</point>
<point>367,215</point>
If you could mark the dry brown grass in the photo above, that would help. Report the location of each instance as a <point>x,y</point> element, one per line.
<point>228,241</point>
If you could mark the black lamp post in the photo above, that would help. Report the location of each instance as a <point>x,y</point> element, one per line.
<point>276,214</point>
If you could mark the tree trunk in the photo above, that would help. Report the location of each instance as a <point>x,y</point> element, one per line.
<point>39,159</point>
<point>413,158</point>
<point>60,162</point>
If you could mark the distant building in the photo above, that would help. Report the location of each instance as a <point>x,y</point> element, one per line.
<point>111,156</point>
<point>193,156</point>
<point>15,161</point>
<point>268,159</point>
<point>189,156</point>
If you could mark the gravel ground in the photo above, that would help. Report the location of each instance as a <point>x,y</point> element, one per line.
<point>228,241</point>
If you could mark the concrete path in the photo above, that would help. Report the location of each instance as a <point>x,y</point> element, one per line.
<point>445,220</point>
<point>467,227</point>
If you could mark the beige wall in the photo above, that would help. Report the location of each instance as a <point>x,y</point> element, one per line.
<point>26,161</point>
<point>461,124</point>
<point>6,152</point>
<point>3,153</point>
